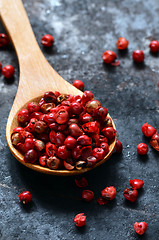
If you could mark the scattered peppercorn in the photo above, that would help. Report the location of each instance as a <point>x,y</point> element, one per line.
<point>4,40</point>
<point>142,149</point>
<point>122,43</point>
<point>82,182</point>
<point>80,220</point>
<point>8,71</point>
<point>109,193</point>
<point>138,56</point>
<point>25,197</point>
<point>102,201</point>
<point>154,46</point>
<point>136,183</point>
<point>130,195</point>
<point>109,56</point>
<point>47,40</point>
<point>87,195</point>
<point>148,130</point>
<point>140,227</point>
<point>154,142</point>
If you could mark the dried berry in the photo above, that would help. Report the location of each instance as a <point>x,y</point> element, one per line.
<point>130,195</point>
<point>140,227</point>
<point>109,193</point>
<point>25,197</point>
<point>80,220</point>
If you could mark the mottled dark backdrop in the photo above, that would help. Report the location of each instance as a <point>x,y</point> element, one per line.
<point>82,31</point>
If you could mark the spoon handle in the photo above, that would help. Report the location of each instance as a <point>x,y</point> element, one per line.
<point>16,22</point>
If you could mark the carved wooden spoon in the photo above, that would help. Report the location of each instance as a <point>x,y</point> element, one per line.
<point>36,76</point>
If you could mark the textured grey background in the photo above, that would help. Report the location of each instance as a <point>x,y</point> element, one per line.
<point>83,30</point>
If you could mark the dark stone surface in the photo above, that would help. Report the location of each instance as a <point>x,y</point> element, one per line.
<point>83,30</point>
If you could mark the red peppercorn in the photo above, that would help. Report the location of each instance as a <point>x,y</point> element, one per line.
<point>47,40</point>
<point>79,84</point>
<point>148,130</point>
<point>100,113</point>
<point>84,140</point>
<point>76,108</point>
<point>62,116</point>
<point>53,163</point>
<point>70,142</point>
<point>40,127</point>
<point>109,132</point>
<point>85,118</point>
<point>142,149</point>
<point>68,166</point>
<point>36,115</point>
<point>75,130</point>
<point>77,152</point>
<point>90,127</point>
<point>154,142</point>
<point>18,129</point>
<point>87,96</point>
<point>118,147</point>
<point>91,161</point>
<point>109,193</point>
<point>59,140</point>
<point>15,138</point>
<point>33,107</point>
<point>102,139</point>
<point>25,197</point>
<point>23,116</point>
<point>130,195</point>
<point>31,125</point>
<point>109,56</point>
<point>63,152</point>
<point>154,46</point>
<point>138,56</point>
<point>87,195</point>
<point>20,148</point>
<point>82,182</point>
<point>99,153</point>
<point>80,220</point>
<point>51,149</point>
<point>102,201</point>
<point>50,97</point>
<point>4,40</point>
<point>8,71</point>
<point>86,152</point>
<point>122,43</point>
<point>75,98</point>
<point>30,156</point>
<point>136,183</point>
<point>39,145</point>
<point>29,144</point>
<point>105,147</point>
<point>92,105</point>
<point>43,160</point>
<point>140,227</point>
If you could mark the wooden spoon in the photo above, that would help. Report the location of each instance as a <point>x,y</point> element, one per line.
<point>36,76</point>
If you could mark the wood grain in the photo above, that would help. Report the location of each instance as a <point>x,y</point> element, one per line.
<point>36,75</point>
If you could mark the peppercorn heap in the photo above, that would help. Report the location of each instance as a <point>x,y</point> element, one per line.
<point>64,131</point>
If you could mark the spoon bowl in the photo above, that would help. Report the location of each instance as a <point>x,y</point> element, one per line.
<point>36,77</point>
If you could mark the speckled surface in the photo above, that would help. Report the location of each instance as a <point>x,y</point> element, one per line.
<point>82,31</point>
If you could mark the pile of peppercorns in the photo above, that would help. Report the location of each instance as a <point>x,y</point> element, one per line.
<point>64,131</point>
